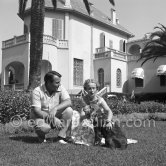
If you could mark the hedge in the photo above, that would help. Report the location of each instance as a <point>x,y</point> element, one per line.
<point>14,103</point>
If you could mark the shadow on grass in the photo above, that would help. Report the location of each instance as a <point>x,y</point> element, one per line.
<point>27,139</point>
<point>31,139</point>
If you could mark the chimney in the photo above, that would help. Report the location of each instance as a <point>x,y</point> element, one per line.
<point>67,4</point>
<point>113,16</point>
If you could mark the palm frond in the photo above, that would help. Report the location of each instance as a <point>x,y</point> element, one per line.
<point>156,46</point>
<point>87,5</point>
<point>112,2</point>
<point>22,6</point>
<point>54,2</point>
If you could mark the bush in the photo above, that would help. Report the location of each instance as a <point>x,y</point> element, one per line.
<point>14,103</point>
<point>118,107</point>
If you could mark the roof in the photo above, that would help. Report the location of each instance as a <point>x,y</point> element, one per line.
<point>79,7</point>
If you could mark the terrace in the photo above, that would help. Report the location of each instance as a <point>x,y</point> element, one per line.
<point>17,40</point>
<point>106,52</point>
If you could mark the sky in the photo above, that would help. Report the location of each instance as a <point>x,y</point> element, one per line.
<point>138,16</point>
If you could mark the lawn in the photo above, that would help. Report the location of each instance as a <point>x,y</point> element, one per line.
<point>23,150</point>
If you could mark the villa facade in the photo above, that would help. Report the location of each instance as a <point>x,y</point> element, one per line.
<point>76,44</point>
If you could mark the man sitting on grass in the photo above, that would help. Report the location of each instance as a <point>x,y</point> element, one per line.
<point>51,108</point>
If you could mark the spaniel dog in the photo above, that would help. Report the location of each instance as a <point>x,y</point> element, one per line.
<point>114,137</point>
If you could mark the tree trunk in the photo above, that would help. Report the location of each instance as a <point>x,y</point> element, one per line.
<point>36,46</point>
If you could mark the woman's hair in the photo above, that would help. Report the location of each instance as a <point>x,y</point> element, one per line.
<point>86,83</point>
<point>50,76</point>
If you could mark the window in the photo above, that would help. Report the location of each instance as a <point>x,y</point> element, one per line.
<point>122,45</point>
<point>139,82</point>
<point>102,40</point>
<point>57,28</point>
<point>101,78</point>
<point>118,78</point>
<point>162,80</point>
<point>111,44</point>
<point>78,72</point>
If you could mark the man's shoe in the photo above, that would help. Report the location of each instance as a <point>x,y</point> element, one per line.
<point>61,140</point>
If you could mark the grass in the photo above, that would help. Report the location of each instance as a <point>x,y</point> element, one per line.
<point>23,150</point>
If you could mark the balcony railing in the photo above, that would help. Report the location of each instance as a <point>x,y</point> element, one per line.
<point>131,57</point>
<point>106,52</point>
<point>15,41</point>
<point>53,41</point>
<point>25,38</point>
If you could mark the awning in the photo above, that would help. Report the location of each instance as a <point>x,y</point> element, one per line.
<point>161,70</point>
<point>138,73</point>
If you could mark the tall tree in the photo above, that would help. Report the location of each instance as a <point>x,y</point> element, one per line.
<point>36,46</point>
<point>156,46</point>
<point>36,33</point>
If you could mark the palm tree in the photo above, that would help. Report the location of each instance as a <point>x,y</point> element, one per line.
<point>36,33</point>
<point>156,46</point>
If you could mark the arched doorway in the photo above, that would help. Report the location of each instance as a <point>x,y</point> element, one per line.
<point>14,75</point>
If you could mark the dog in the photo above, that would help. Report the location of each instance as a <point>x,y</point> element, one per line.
<point>114,137</point>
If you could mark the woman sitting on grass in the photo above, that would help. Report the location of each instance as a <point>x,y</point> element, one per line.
<point>93,104</point>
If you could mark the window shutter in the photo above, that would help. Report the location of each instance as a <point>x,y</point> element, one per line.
<point>111,44</point>
<point>57,28</point>
<point>121,45</point>
<point>102,40</point>
<point>124,46</point>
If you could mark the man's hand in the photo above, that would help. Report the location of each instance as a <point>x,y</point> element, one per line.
<point>54,121</point>
<point>57,124</point>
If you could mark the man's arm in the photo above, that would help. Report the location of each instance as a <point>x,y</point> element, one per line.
<point>39,113</point>
<point>62,106</point>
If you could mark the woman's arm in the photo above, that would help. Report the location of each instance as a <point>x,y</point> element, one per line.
<point>106,108</point>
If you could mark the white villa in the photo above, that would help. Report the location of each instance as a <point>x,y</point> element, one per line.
<point>81,46</point>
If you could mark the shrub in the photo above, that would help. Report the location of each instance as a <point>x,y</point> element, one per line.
<point>118,107</point>
<point>14,103</point>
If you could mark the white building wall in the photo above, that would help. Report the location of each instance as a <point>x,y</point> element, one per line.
<point>122,65</point>
<point>79,46</point>
<point>109,35</point>
<point>63,67</point>
<point>105,64</point>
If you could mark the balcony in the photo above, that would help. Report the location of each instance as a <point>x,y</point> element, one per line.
<point>17,40</point>
<point>47,39</point>
<point>106,52</point>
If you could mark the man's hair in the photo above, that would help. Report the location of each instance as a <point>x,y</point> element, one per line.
<point>50,75</point>
<point>86,83</point>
